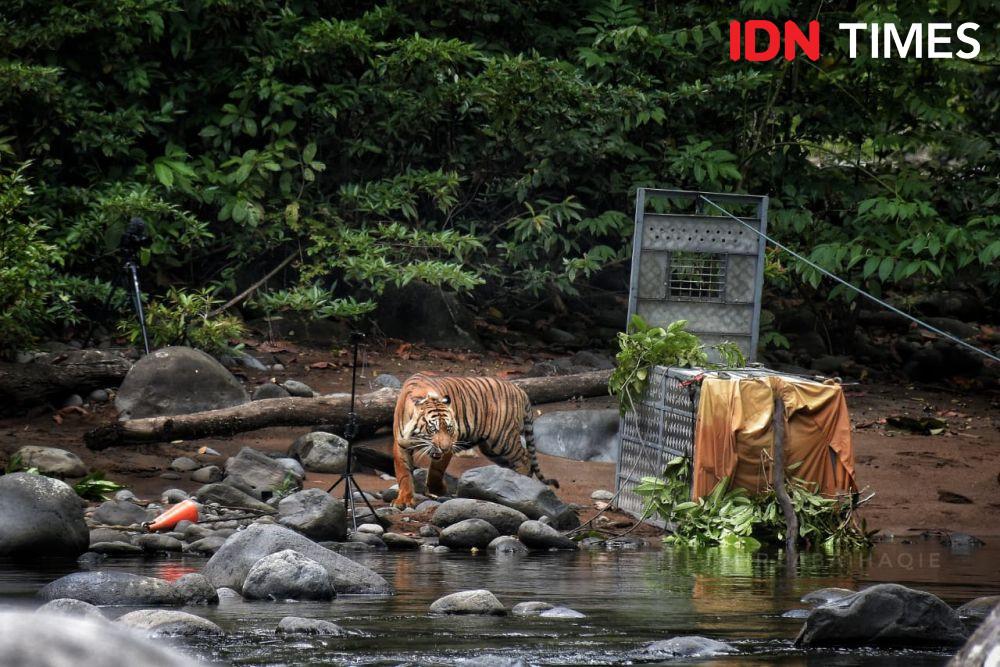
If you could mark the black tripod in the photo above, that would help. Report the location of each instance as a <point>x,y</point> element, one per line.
<point>133,239</point>
<point>351,432</point>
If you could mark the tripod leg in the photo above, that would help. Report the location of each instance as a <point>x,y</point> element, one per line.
<point>137,302</point>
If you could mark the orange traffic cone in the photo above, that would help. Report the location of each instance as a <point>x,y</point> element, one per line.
<point>187,510</point>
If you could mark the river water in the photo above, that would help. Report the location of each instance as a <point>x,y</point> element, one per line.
<point>629,598</point>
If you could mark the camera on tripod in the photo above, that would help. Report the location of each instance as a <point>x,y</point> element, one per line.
<point>134,239</point>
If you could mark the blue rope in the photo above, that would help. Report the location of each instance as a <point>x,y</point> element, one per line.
<point>860,291</point>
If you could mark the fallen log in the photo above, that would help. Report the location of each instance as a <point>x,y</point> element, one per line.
<point>53,377</point>
<point>373,409</point>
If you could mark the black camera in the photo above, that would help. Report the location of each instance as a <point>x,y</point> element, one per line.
<point>135,238</point>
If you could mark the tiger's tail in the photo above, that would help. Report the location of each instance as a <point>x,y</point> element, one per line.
<point>529,444</point>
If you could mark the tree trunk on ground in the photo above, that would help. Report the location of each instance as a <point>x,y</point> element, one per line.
<point>54,377</point>
<point>374,410</point>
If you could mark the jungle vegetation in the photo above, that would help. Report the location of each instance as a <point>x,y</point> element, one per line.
<point>480,145</point>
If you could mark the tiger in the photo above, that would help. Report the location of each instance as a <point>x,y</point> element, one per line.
<point>439,416</point>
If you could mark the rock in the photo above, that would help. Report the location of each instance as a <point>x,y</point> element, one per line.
<point>227,594</point>
<point>112,588</point>
<point>422,313</point>
<point>194,588</point>
<point>558,336</point>
<point>398,542</point>
<point>561,612</point>
<point>295,625</point>
<point>98,396</point>
<point>683,647</point>
<point>230,496</point>
<point>158,543</point>
<point>184,464</point>
<point>883,615</point>
<point>207,475</point>
<point>169,623</point>
<point>797,613</point>
<point>469,602</point>
<point>537,535</point>
<point>531,608</point>
<point>441,549</point>
<point>116,549</point>
<point>320,452</point>
<point>505,519</point>
<point>206,545</point>
<point>975,611</point>
<point>170,474</point>
<point>525,494</point>
<point>40,516</point>
<point>257,474</point>
<point>230,565</point>
<point>581,435</point>
<point>121,513</point>
<point>824,595</point>
<point>287,575</point>
<point>48,640</point>
<point>314,514</point>
<point>298,389</point>
<point>51,461</point>
<point>983,647</point>
<point>427,530</point>
<point>372,540</point>
<point>73,401</point>
<point>292,466</point>
<point>602,495</point>
<point>109,535</point>
<point>506,544</point>
<point>427,505</point>
<point>389,381</point>
<point>469,533</point>
<point>72,608</point>
<point>176,381</point>
<point>373,528</point>
<point>125,494</point>
<point>269,390</point>
<point>90,560</point>
<point>173,496</point>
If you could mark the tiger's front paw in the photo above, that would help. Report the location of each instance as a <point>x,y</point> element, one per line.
<point>403,502</point>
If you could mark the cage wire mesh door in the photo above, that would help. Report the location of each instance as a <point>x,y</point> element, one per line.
<point>686,265</point>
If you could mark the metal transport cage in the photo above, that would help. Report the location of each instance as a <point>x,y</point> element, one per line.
<point>704,268</point>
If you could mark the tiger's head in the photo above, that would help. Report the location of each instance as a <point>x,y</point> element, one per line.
<point>432,428</point>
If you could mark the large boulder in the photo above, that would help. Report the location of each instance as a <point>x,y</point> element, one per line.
<point>504,519</point>
<point>525,494</point>
<point>113,588</point>
<point>983,647</point>
<point>537,535</point>
<point>231,564</point>
<point>52,461</point>
<point>229,496</point>
<point>257,474</point>
<point>581,435</point>
<point>883,615</point>
<point>40,516</point>
<point>177,381</point>
<point>169,623</point>
<point>287,575</point>
<point>468,534</point>
<point>422,313</point>
<point>314,514</point>
<point>469,602</point>
<point>47,640</point>
<point>320,452</point>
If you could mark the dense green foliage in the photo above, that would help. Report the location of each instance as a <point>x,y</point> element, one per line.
<point>729,516</point>
<point>479,144</point>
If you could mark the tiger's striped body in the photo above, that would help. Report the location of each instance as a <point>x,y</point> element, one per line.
<point>441,415</point>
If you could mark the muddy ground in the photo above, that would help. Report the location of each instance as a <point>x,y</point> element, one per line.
<point>949,481</point>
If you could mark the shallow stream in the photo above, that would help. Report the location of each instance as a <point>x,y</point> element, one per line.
<point>629,598</point>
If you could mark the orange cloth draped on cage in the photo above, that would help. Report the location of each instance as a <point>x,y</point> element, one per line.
<point>734,434</point>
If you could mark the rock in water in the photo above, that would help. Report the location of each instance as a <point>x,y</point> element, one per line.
<point>295,625</point>
<point>537,535</point>
<point>525,494</point>
<point>287,575</point>
<point>177,381</point>
<point>112,588</point>
<point>581,435</point>
<point>46,640</point>
<point>983,647</point>
<point>505,544</point>
<point>320,452</point>
<point>468,534</point>
<point>72,608</point>
<point>52,461</point>
<point>561,612</point>
<point>883,615</point>
<point>40,516</point>
<point>825,595</point>
<point>195,589</point>
<point>398,542</point>
<point>121,513</point>
<point>469,602</point>
<point>230,496</point>
<point>504,519</point>
<point>207,475</point>
<point>977,610</point>
<point>257,474</point>
<point>531,608</point>
<point>314,514</point>
<point>683,647</point>
<point>231,564</point>
<point>169,623</point>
